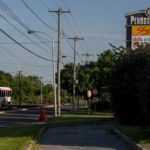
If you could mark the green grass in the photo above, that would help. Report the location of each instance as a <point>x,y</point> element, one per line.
<point>15,138</point>
<point>138,134</point>
<point>83,114</point>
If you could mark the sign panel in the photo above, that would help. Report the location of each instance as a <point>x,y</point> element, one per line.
<point>95,92</point>
<point>89,93</point>
<point>140,36</point>
<point>138,28</point>
<point>141,30</point>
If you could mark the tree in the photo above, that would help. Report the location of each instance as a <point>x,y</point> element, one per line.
<point>130,85</point>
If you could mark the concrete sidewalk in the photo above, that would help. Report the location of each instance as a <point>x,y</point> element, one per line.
<point>88,137</point>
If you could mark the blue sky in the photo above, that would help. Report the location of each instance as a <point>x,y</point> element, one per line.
<point>99,22</point>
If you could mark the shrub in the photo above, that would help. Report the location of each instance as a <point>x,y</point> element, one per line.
<point>130,86</point>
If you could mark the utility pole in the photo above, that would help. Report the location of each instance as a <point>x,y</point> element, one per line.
<point>87,55</point>
<point>59,13</point>
<point>41,93</point>
<point>20,96</point>
<point>75,39</point>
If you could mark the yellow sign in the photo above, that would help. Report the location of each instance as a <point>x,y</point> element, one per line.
<point>89,93</point>
<point>141,30</point>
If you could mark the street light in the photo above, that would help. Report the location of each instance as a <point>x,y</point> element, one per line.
<point>53,63</point>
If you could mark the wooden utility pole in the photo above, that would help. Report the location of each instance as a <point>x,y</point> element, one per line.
<point>87,55</point>
<point>20,94</point>
<point>75,39</point>
<point>59,13</point>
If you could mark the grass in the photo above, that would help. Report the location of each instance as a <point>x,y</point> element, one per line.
<point>138,134</point>
<point>82,114</point>
<point>15,138</point>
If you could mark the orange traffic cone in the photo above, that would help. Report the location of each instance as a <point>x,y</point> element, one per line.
<point>42,116</point>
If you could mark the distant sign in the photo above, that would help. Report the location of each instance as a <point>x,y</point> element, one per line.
<point>95,92</point>
<point>138,28</point>
<point>89,93</point>
<point>140,36</point>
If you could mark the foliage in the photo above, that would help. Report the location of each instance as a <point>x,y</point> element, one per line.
<point>16,138</point>
<point>27,88</point>
<point>130,85</point>
<point>92,74</point>
<point>136,133</point>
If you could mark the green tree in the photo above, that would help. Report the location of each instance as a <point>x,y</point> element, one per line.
<point>130,87</point>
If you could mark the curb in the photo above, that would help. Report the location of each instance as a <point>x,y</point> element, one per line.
<point>131,143</point>
<point>37,138</point>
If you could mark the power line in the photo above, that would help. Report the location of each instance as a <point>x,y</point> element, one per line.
<point>6,9</point>
<point>23,46</point>
<point>10,13</point>
<point>64,34</point>
<point>22,33</point>
<point>37,16</point>
<point>75,23</point>
<point>12,54</point>
<point>7,43</point>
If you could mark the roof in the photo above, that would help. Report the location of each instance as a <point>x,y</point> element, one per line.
<point>134,13</point>
<point>5,88</point>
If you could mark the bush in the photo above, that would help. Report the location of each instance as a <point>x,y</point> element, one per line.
<point>130,86</point>
<point>101,104</point>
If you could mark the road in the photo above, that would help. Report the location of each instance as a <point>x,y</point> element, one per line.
<point>17,117</point>
<point>26,116</point>
<point>91,137</point>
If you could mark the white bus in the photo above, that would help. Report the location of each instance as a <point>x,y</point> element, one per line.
<point>5,96</point>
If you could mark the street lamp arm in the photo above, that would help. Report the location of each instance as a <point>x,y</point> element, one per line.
<point>32,31</point>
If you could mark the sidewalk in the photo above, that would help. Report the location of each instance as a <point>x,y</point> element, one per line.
<point>88,137</point>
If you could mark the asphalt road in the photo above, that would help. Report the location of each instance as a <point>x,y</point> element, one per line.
<point>26,116</point>
<point>91,137</point>
<point>18,117</point>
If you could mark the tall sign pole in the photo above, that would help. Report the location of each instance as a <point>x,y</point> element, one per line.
<point>74,70</point>
<point>59,13</point>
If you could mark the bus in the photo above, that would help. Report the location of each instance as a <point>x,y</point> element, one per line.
<point>5,96</point>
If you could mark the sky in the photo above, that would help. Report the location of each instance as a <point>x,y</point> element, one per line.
<point>99,22</point>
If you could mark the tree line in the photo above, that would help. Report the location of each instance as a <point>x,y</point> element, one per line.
<point>120,75</point>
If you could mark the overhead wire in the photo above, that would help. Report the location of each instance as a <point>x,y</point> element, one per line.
<point>24,46</point>
<point>15,17</point>
<point>5,43</point>
<point>10,13</point>
<point>64,33</point>
<point>23,33</point>
<point>17,57</point>
<point>66,36</point>
<point>75,23</point>
<point>37,16</point>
